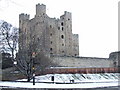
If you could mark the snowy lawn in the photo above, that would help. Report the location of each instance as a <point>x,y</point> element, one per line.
<point>80,81</point>
<point>65,78</point>
<point>45,85</point>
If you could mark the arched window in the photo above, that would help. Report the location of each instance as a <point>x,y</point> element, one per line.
<point>61,23</point>
<point>68,18</point>
<point>51,49</point>
<point>50,26</point>
<point>62,36</point>
<point>50,34</point>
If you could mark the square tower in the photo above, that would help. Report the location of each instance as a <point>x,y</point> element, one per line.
<point>49,35</point>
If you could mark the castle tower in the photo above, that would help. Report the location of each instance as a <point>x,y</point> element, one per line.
<point>40,9</point>
<point>66,26</point>
<point>52,35</point>
<point>23,25</point>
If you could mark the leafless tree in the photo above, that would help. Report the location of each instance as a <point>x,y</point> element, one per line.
<point>34,59</point>
<point>9,38</point>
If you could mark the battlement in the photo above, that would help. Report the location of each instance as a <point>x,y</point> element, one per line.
<point>76,35</point>
<point>23,16</point>
<point>40,9</point>
<point>66,15</point>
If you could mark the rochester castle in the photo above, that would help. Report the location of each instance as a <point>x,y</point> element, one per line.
<point>54,37</point>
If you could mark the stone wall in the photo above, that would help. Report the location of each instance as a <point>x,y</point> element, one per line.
<point>54,36</point>
<point>115,56</point>
<point>75,44</point>
<point>82,62</point>
<point>51,35</point>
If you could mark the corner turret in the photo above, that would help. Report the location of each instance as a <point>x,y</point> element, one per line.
<point>66,16</point>
<point>40,9</point>
<point>23,16</point>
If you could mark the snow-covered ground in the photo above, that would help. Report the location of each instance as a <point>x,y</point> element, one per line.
<point>47,85</point>
<point>65,78</point>
<point>63,81</point>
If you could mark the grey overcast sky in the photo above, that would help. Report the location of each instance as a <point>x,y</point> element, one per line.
<point>96,21</point>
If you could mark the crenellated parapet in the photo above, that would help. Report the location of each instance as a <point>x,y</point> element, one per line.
<point>66,16</point>
<point>23,16</point>
<point>40,9</point>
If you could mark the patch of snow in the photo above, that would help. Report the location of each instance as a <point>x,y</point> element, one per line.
<point>48,85</point>
<point>65,78</point>
<point>80,81</point>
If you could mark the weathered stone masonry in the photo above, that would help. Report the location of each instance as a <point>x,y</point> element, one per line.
<point>54,36</point>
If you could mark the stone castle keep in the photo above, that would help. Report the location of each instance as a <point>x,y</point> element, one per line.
<point>53,36</point>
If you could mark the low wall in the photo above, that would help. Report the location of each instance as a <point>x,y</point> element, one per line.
<point>82,62</point>
<point>80,70</point>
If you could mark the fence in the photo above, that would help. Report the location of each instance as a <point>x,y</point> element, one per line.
<point>80,70</point>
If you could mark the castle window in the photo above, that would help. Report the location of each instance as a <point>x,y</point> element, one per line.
<point>68,19</point>
<point>51,34</point>
<point>62,36</point>
<point>51,42</point>
<point>58,28</point>
<point>50,26</point>
<point>62,23</point>
<point>51,49</point>
<point>62,28</point>
<point>62,51</point>
<point>62,44</point>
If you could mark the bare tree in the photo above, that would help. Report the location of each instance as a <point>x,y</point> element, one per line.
<point>9,38</point>
<point>34,60</point>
